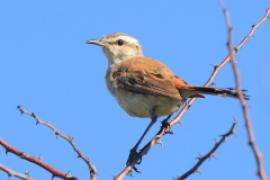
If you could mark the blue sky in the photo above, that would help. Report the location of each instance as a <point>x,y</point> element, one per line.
<point>46,67</point>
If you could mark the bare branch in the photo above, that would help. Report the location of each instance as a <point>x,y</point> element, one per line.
<point>218,67</point>
<point>12,173</point>
<point>91,167</point>
<point>35,160</point>
<point>250,133</point>
<point>166,129</point>
<point>202,159</point>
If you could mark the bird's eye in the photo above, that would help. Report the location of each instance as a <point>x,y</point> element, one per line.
<point>120,42</point>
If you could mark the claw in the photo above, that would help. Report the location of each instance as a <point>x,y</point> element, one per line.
<point>166,125</point>
<point>134,156</point>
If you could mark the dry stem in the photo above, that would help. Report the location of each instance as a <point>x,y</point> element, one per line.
<point>250,133</point>
<point>164,130</point>
<point>91,167</point>
<point>12,173</point>
<point>35,160</point>
<point>210,154</point>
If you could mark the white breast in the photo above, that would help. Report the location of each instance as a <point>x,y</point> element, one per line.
<point>140,105</point>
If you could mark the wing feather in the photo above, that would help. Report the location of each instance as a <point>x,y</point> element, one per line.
<point>144,75</point>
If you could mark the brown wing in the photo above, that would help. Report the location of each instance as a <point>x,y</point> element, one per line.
<point>147,76</point>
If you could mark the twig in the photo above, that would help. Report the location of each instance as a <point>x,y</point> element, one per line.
<point>210,154</point>
<point>91,167</point>
<point>164,130</point>
<point>250,133</point>
<point>12,173</point>
<point>55,172</point>
<point>218,67</point>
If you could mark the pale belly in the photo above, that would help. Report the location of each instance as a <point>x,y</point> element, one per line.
<point>140,105</point>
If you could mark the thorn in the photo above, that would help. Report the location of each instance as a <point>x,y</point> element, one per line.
<point>70,138</point>
<point>199,157</point>
<point>197,171</point>
<point>212,155</point>
<point>67,173</point>
<point>159,142</point>
<point>20,109</point>
<point>235,49</point>
<point>37,123</point>
<point>33,115</point>
<point>235,121</point>
<point>214,66</point>
<point>27,173</point>
<point>21,154</point>
<point>6,152</point>
<point>53,176</point>
<point>213,84</point>
<point>233,132</point>
<point>253,25</point>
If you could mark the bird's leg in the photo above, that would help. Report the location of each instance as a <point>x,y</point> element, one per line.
<point>152,122</point>
<point>166,125</point>
<point>133,152</point>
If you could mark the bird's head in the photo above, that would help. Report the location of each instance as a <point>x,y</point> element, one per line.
<point>118,47</point>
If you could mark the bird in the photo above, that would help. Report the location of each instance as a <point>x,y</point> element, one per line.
<point>145,87</point>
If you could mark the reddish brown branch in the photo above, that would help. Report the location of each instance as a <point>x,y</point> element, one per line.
<point>164,130</point>
<point>55,172</point>
<point>210,154</point>
<point>12,173</point>
<point>250,133</point>
<point>92,169</point>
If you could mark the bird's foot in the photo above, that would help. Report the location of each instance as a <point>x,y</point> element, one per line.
<point>166,126</point>
<point>134,158</point>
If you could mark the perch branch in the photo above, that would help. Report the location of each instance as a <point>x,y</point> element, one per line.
<point>91,167</point>
<point>12,173</point>
<point>244,105</point>
<point>218,67</point>
<point>35,160</point>
<point>210,154</point>
<point>166,129</point>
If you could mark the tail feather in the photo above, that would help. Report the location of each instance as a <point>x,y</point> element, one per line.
<point>218,91</point>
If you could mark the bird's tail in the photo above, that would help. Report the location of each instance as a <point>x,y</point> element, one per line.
<point>215,91</point>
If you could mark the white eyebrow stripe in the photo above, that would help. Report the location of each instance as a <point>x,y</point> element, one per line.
<point>128,39</point>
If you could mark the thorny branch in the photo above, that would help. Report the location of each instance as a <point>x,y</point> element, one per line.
<point>210,154</point>
<point>36,160</point>
<point>91,167</point>
<point>12,173</point>
<point>166,129</point>
<point>250,133</point>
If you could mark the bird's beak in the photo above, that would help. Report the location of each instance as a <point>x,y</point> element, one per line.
<point>95,42</point>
